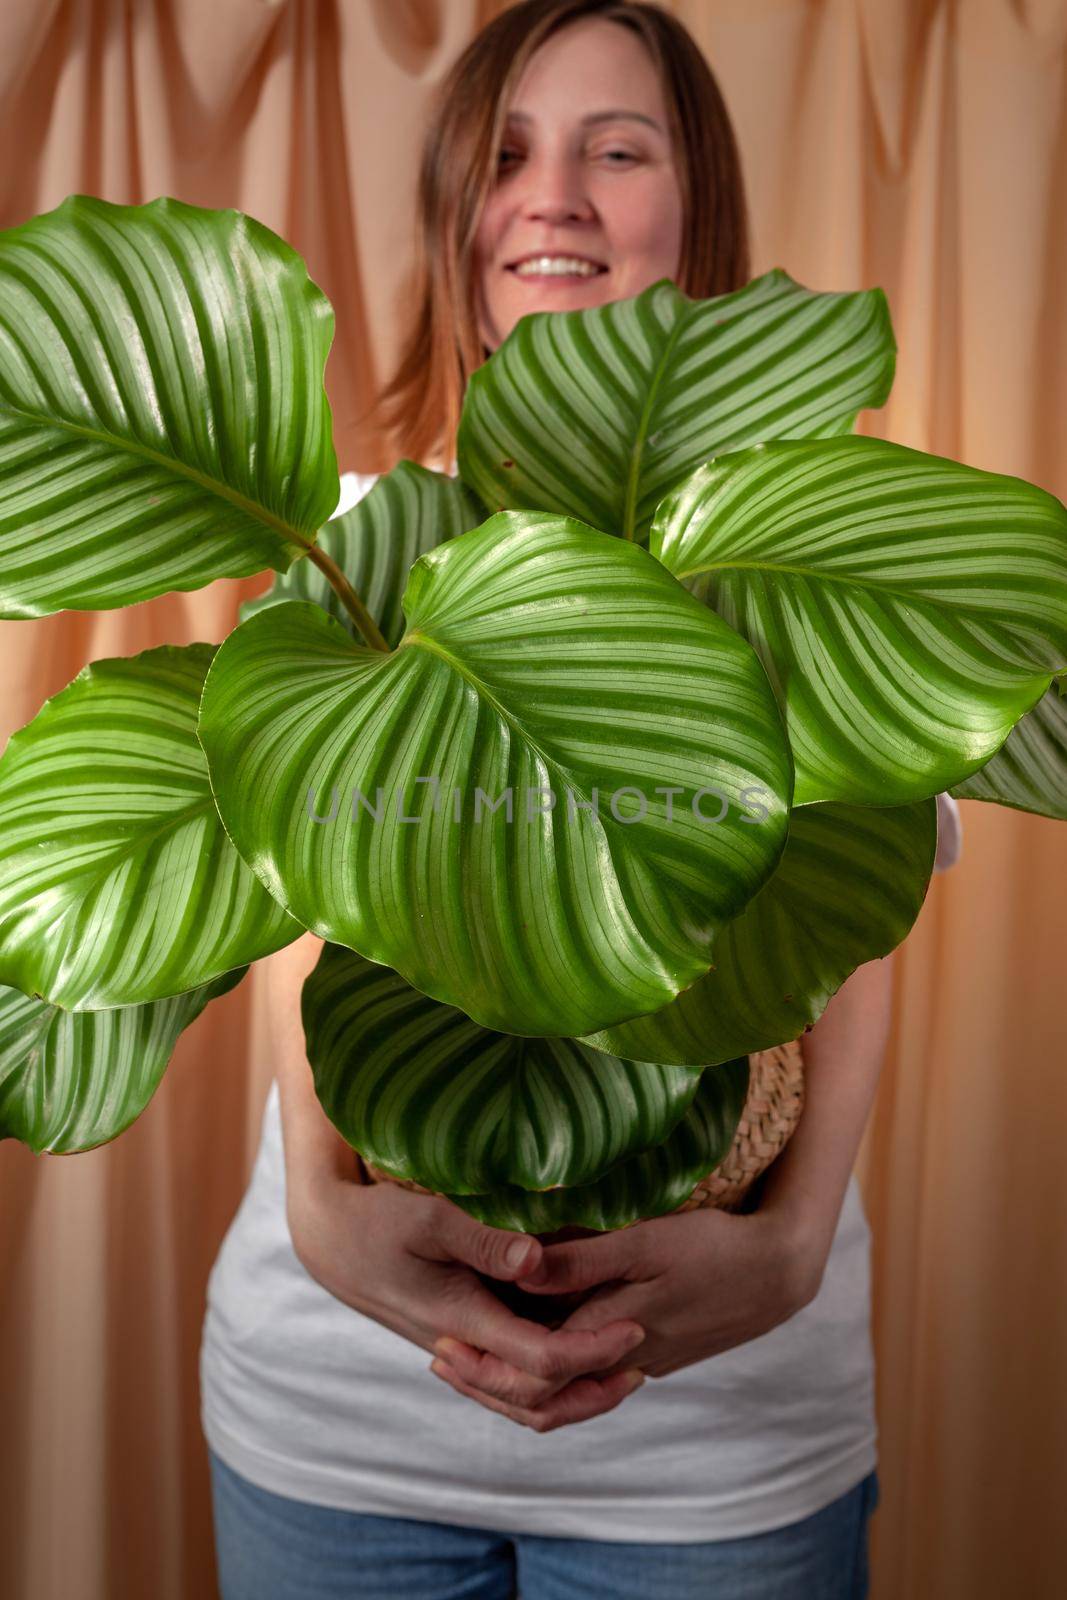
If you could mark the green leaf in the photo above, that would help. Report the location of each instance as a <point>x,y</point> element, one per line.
<point>118,884</point>
<point>71,1081</point>
<point>426,1094</point>
<point>599,413</point>
<point>163,420</point>
<point>645,1185</point>
<point>908,609</point>
<point>1029,771</point>
<point>409,511</point>
<point>848,888</point>
<point>540,655</point>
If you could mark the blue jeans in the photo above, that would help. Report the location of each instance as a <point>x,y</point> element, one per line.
<point>273,1548</point>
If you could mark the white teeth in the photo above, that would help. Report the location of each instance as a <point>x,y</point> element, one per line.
<point>555,266</point>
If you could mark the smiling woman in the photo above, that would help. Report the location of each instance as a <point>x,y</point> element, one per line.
<point>580,152</point>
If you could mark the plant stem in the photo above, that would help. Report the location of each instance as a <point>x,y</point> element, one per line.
<point>349,599</point>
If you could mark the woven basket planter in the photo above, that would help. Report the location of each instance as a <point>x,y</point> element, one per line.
<point>771,1112</point>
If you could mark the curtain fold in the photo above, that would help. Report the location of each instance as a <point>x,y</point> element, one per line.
<point>920,145</point>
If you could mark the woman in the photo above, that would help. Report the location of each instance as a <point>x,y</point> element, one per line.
<point>342,1463</point>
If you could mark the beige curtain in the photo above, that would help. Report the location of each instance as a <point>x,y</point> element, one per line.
<point>916,144</point>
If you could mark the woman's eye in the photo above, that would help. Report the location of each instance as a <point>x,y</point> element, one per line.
<point>508,155</point>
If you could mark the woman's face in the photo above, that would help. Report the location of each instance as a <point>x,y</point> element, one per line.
<point>574,182</point>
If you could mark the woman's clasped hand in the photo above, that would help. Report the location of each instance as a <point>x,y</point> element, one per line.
<point>412,1262</point>
<point>697,1282</point>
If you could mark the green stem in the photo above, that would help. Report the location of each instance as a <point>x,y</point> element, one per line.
<point>362,618</point>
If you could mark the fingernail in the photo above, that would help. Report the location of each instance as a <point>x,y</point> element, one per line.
<point>446,1347</point>
<point>635,1338</point>
<point>438,1367</point>
<point>636,1377</point>
<point>516,1253</point>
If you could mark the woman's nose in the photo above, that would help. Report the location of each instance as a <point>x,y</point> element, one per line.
<point>556,192</point>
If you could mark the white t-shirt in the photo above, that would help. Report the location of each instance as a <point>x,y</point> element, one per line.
<point>310,1399</point>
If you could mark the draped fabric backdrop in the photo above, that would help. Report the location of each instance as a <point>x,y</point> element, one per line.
<point>916,144</point>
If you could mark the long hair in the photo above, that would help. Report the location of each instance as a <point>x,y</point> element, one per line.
<point>418,409</point>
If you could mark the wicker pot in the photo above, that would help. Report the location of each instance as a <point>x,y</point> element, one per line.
<point>771,1112</point>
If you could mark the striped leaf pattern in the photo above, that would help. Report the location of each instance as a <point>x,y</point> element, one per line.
<point>409,511</point>
<point>600,413</point>
<point>72,1080</point>
<point>426,1094</point>
<point>1029,771</point>
<point>118,884</point>
<point>548,661</point>
<point>648,1184</point>
<point>849,886</point>
<point>908,609</point>
<point>163,420</point>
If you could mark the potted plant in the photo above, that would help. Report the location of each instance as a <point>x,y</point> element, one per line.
<point>598,768</point>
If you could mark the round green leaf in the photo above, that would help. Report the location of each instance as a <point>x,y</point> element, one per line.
<point>541,658</point>
<point>118,884</point>
<point>850,884</point>
<point>409,511</point>
<point>72,1080</point>
<point>908,609</point>
<point>1029,771</point>
<point>426,1094</point>
<point>645,1185</point>
<point>163,420</point>
<point>598,413</point>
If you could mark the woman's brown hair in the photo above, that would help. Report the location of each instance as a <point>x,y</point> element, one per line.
<point>419,408</point>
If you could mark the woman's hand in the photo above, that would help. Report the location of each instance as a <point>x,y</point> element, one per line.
<point>699,1282</point>
<point>412,1261</point>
